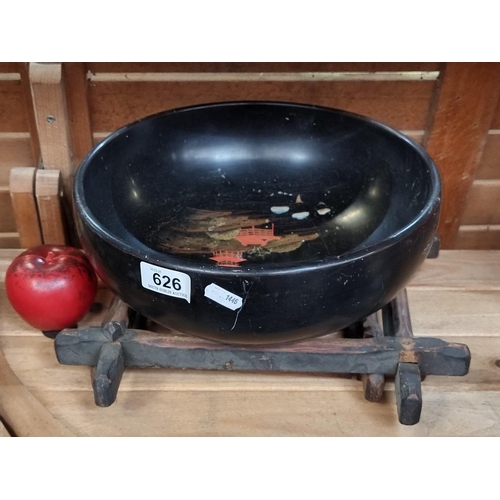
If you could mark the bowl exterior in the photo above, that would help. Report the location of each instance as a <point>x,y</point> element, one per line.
<point>262,308</point>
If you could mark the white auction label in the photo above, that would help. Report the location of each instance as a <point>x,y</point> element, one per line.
<point>166,281</point>
<point>223,297</point>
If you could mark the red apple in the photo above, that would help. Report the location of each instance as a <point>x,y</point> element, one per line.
<point>51,286</point>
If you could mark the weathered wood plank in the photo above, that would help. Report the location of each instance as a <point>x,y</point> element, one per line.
<point>490,161</point>
<point>482,206</point>
<point>3,431</point>
<point>9,240</point>
<point>6,257</point>
<point>48,200</point>
<point>12,112</point>
<point>39,351</point>
<point>75,77</point>
<point>47,88</point>
<point>495,124</point>
<point>100,67</point>
<point>146,349</point>
<point>22,192</point>
<point>463,115</point>
<point>15,151</point>
<point>24,414</point>
<point>478,238</point>
<point>8,67</point>
<point>403,105</point>
<point>7,220</point>
<point>30,113</point>
<point>461,270</point>
<point>451,313</point>
<point>284,413</point>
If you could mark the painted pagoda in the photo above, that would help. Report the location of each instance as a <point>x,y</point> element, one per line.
<point>256,236</point>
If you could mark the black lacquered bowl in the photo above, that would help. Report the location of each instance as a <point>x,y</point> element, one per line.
<point>257,222</point>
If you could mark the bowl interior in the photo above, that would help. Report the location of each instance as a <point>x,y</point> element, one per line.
<point>242,184</point>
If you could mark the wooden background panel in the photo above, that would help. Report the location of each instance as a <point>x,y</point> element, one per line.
<point>12,108</point>
<point>9,67</point>
<point>76,86</point>
<point>483,203</point>
<point>462,117</point>
<point>403,105</point>
<point>10,240</point>
<point>7,223</point>
<point>119,67</point>
<point>15,151</point>
<point>15,144</point>
<point>495,124</point>
<point>478,237</point>
<point>489,167</point>
<point>480,229</point>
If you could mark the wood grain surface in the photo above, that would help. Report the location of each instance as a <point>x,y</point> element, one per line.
<point>22,193</point>
<point>12,111</point>
<point>463,115</point>
<point>75,77</point>
<point>482,205</point>
<point>15,151</point>
<point>48,189</point>
<point>454,297</point>
<point>495,124</point>
<point>51,112</point>
<point>490,161</point>
<point>7,221</point>
<point>478,237</point>
<point>402,104</point>
<point>3,430</point>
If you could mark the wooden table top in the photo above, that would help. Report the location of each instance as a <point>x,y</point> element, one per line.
<point>455,297</point>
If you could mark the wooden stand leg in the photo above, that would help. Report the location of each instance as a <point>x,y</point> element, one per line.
<point>108,374</point>
<point>375,356</point>
<point>373,383</point>
<point>373,386</point>
<point>408,393</point>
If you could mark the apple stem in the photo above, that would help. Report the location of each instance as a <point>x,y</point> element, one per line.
<point>50,256</point>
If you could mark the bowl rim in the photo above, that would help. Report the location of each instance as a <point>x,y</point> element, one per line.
<point>164,259</point>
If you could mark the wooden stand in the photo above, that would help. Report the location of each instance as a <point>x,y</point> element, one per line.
<point>388,350</point>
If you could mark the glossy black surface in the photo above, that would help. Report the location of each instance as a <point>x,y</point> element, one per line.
<point>313,217</point>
